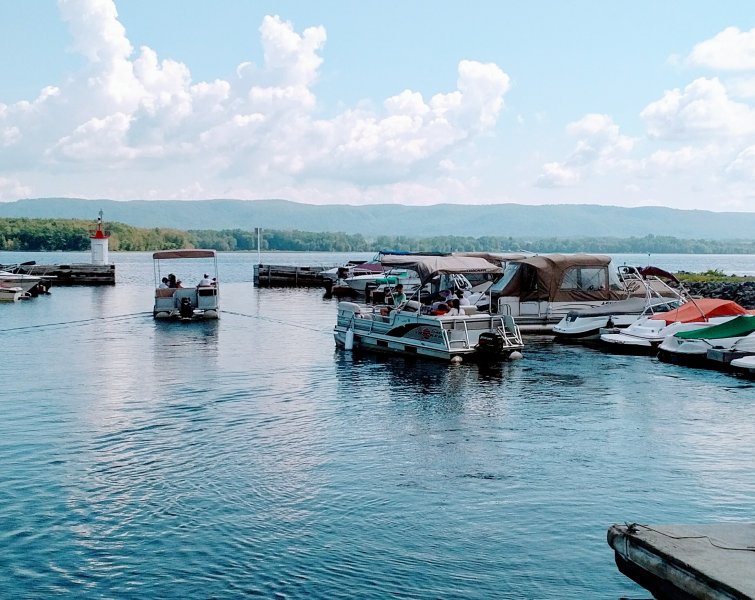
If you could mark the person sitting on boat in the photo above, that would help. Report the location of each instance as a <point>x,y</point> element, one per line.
<point>455,308</point>
<point>172,281</point>
<point>461,299</point>
<point>178,284</point>
<point>205,281</point>
<point>163,283</point>
<point>399,297</point>
<point>441,309</point>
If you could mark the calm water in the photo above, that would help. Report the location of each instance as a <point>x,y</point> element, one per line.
<point>248,457</point>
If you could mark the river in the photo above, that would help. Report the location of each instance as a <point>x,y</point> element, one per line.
<point>249,457</point>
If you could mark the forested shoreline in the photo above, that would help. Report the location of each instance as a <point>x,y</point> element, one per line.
<point>22,234</point>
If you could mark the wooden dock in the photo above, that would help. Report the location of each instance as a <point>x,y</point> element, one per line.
<point>73,274</point>
<point>289,276</point>
<point>711,562</point>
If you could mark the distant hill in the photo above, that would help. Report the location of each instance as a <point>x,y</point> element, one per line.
<point>515,220</point>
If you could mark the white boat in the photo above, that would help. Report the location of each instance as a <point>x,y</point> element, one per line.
<point>651,295</point>
<point>539,291</point>
<point>12,294</point>
<point>362,283</point>
<point>409,329</point>
<point>744,365</point>
<point>644,335</point>
<point>691,347</point>
<point>353,268</point>
<point>200,301</point>
<point>25,282</point>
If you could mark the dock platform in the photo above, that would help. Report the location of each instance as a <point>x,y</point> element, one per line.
<point>712,561</point>
<point>73,274</point>
<point>289,276</point>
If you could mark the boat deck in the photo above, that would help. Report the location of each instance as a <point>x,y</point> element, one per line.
<point>713,561</point>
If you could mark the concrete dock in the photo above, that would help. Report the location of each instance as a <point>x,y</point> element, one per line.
<point>711,562</point>
<point>73,274</point>
<point>289,276</point>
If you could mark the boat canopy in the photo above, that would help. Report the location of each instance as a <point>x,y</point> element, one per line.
<point>562,278</point>
<point>193,253</point>
<point>738,327</point>
<point>700,310</point>
<point>428,266</point>
<point>497,258</point>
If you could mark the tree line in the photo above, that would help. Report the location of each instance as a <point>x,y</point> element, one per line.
<point>24,234</point>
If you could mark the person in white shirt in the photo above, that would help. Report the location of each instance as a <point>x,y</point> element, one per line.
<point>164,283</point>
<point>454,310</point>
<point>462,300</point>
<point>204,281</point>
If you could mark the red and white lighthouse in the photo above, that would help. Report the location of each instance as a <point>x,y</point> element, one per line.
<point>99,243</point>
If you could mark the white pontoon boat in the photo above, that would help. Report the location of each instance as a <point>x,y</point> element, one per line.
<point>408,329</point>
<point>192,302</point>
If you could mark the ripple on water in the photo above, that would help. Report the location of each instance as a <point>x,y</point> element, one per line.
<point>248,457</point>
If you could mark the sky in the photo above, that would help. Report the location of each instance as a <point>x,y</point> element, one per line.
<point>641,103</point>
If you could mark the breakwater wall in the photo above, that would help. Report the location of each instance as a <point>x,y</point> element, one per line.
<point>743,293</point>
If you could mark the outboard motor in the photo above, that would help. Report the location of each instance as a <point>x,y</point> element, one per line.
<point>185,309</point>
<point>490,343</point>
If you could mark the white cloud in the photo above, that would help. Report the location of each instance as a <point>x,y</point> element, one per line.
<point>729,50</point>
<point>600,146</point>
<point>12,189</point>
<point>128,112</point>
<point>702,110</point>
<point>558,175</point>
<point>742,168</point>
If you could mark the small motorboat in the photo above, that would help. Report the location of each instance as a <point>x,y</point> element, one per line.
<point>744,365</point>
<point>26,282</point>
<point>410,329</point>
<point>186,303</point>
<point>540,290</point>
<point>650,295</point>
<point>13,294</point>
<point>646,333</point>
<point>691,347</point>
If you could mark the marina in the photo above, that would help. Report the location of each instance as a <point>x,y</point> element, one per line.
<point>250,447</point>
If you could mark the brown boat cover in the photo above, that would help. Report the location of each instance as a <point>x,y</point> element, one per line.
<point>429,266</point>
<point>539,278</point>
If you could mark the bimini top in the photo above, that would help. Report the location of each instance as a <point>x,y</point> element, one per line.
<point>428,266</point>
<point>193,253</point>
<point>700,310</point>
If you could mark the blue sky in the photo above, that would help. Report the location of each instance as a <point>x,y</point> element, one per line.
<point>630,104</point>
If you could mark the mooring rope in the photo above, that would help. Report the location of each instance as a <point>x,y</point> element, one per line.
<point>76,323</point>
<point>279,321</point>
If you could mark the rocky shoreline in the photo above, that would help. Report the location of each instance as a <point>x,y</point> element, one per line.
<point>743,293</point>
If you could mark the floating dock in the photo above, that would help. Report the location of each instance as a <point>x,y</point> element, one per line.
<point>711,562</point>
<point>290,276</point>
<point>73,274</point>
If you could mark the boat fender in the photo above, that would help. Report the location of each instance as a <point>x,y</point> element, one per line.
<point>516,355</point>
<point>456,360</point>
<point>348,342</point>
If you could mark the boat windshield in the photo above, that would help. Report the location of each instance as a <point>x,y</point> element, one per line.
<point>614,279</point>
<point>508,274</point>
